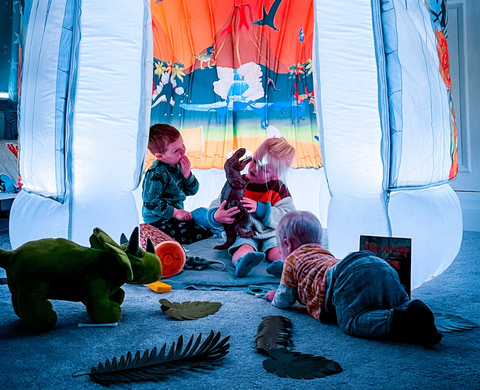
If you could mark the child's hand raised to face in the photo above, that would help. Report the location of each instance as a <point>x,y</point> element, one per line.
<point>249,204</point>
<point>185,165</point>
<point>225,216</point>
<point>182,215</point>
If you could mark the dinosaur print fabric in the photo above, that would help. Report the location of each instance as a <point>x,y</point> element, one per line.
<point>233,80</point>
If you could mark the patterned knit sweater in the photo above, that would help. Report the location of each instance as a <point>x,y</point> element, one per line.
<point>277,200</point>
<point>164,189</point>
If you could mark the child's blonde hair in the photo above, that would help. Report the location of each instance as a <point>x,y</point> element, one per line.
<point>161,135</point>
<point>301,226</point>
<point>278,153</point>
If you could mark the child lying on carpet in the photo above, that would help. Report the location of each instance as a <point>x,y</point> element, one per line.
<point>361,292</point>
<point>167,184</point>
<point>267,200</point>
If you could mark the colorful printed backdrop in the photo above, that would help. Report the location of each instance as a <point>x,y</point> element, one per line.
<point>438,16</point>
<point>230,73</point>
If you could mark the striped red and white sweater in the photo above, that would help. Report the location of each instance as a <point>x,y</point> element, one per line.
<point>277,199</point>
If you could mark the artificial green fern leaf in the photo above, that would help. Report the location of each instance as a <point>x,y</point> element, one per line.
<point>151,366</point>
<point>298,365</point>
<point>447,323</point>
<point>273,332</point>
<point>189,310</point>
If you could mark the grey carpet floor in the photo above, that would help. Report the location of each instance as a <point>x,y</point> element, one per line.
<point>47,361</point>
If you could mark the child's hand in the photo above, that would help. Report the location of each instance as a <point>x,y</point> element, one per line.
<point>225,216</point>
<point>249,204</point>
<point>185,165</point>
<point>270,295</point>
<point>182,215</point>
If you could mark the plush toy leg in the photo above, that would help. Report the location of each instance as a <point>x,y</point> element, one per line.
<point>118,296</point>
<point>14,304</point>
<point>100,308</point>
<point>35,311</point>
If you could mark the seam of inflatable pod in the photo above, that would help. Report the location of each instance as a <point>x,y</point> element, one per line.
<point>383,104</point>
<point>76,36</point>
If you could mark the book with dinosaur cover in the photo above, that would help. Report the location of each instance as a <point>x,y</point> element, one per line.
<point>396,251</point>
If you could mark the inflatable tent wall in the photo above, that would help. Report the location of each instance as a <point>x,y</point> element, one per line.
<point>84,116</point>
<point>387,126</point>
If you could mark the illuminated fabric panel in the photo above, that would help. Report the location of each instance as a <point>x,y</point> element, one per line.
<point>46,66</point>
<point>241,71</point>
<point>422,120</point>
<point>85,113</point>
<point>387,128</point>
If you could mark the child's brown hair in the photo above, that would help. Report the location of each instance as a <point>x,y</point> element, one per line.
<point>161,135</point>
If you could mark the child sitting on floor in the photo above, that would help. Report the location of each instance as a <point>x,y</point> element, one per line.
<point>362,292</point>
<point>167,184</point>
<point>267,200</point>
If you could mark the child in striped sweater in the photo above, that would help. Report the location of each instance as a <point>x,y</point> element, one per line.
<point>267,200</point>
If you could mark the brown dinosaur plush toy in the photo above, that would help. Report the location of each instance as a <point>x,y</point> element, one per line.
<point>56,268</point>
<point>233,191</point>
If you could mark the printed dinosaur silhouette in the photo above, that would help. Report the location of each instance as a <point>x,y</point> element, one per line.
<point>296,108</point>
<point>207,57</point>
<point>271,84</point>
<point>251,104</point>
<point>221,111</point>
<point>268,18</point>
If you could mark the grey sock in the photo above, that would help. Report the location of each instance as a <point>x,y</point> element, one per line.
<point>275,268</point>
<point>245,263</point>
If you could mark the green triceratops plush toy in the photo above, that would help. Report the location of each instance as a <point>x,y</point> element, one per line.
<point>56,268</point>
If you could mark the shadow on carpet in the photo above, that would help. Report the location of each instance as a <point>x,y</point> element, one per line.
<point>214,279</point>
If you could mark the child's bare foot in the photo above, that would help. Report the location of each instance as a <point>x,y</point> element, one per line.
<point>245,263</point>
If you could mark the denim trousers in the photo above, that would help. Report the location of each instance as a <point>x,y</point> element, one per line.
<point>363,290</point>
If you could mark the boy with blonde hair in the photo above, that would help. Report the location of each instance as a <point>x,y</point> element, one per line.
<point>267,200</point>
<point>362,292</point>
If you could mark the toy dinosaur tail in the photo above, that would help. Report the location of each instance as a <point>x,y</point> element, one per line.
<point>231,237</point>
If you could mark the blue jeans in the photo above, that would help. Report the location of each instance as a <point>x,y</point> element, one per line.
<point>363,290</point>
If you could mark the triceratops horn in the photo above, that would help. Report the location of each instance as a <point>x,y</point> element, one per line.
<point>150,248</point>
<point>123,239</point>
<point>133,242</point>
